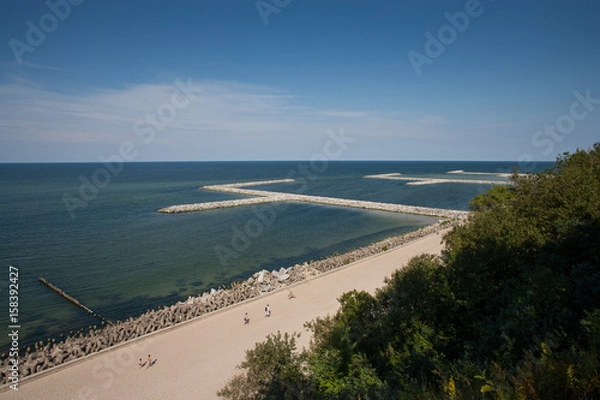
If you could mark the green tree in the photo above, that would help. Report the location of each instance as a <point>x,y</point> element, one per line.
<point>511,310</point>
<point>272,370</point>
<point>338,361</point>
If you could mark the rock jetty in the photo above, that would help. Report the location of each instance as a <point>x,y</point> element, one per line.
<point>432,181</point>
<point>263,196</point>
<point>258,183</point>
<point>215,205</point>
<point>50,354</point>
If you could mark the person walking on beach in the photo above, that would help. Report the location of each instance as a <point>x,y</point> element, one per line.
<point>149,361</point>
<point>246,319</point>
<point>141,363</point>
<point>267,311</point>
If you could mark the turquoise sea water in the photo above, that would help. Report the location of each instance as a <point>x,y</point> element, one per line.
<point>119,257</point>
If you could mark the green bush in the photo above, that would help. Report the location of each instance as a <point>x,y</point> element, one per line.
<point>510,311</point>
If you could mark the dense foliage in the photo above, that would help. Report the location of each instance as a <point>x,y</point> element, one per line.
<point>511,310</point>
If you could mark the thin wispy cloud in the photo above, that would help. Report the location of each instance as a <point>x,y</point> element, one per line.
<point>343,114</point>
<point>13,65</point>
<point>224,115</point>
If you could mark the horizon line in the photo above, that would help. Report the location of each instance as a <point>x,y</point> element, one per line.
<point>266,161</point>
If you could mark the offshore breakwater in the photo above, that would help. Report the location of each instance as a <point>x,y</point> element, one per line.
<point>432,181</point>
<point>47,355</point>
<point>263,196</point>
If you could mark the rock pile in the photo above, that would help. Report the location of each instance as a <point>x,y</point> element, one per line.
<point>262,196</point>
<point>432,181</point>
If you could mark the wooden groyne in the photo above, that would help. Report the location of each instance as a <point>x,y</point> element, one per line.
<point>72,300</point>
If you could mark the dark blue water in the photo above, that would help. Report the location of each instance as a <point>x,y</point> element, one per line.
<point>107,247</point>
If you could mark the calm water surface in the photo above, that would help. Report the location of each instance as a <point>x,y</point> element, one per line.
<point>119,257</point>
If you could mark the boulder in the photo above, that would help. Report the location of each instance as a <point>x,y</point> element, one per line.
<point>261,276</point>
<point>283,277</point>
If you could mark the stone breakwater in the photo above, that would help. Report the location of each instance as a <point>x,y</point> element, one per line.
<point>432,181</point>
<point>262,196</point>
<point>257,183</point>
<point>215,205</point>
<point>499,174</point>
<point>77,345</point>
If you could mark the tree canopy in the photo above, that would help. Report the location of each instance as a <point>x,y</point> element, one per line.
<point>510,310</point>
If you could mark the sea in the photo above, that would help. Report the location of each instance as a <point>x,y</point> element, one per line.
<point>93,231</point>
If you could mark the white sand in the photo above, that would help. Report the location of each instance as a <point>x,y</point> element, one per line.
<point>195,359</point>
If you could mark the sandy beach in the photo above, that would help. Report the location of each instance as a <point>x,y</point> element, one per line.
<point>196,358</point>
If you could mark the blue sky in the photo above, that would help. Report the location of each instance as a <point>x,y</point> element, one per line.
<point>274,79</point>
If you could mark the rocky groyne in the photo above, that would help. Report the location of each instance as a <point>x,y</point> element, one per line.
<point>216,205</point>
<point>263,196</point>
<point>432,181</point>
<point>46,355</point>
<point>257,183</point>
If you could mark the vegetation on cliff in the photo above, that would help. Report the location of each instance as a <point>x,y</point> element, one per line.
<point>510,310</point>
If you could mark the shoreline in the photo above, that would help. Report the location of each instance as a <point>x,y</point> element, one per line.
<point>53,356</point>
<point>197,357</point>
